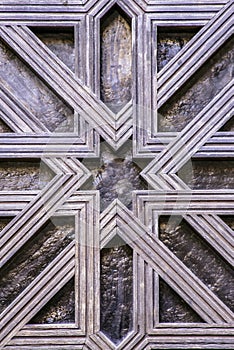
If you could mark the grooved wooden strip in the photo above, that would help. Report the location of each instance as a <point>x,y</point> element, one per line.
<point>160,343</point>
<point>191,202</point>
<point>49,67</point>
<point>171,269</point>
<point>37,294</point>
<point>223,226</point>
<point>35,146</point>
<point>46,347</point>
<point>17,116</point>
<point>195,53</point>
<point>49,341</point>
<point>220,240</point>
<point>221,144</point>
<point>11,203</point>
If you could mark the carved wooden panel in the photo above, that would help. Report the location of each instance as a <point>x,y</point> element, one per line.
<point>116,174</point>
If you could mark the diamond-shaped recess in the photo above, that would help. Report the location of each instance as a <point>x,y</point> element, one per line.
<point>60,309</point>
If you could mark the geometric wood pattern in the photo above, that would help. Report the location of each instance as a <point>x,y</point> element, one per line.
<point>26,137</point>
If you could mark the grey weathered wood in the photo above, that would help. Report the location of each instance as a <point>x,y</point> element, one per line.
<point>170,151</point>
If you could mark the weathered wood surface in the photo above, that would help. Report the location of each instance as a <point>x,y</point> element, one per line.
<point>171,285</point>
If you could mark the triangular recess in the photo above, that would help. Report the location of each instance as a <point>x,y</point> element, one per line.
<point>4,221</point>
<point>172,308</point>
<point>34,95</point>
<point>229,220</point>
<point>229,126</point>
<point>60,41</point>
<point>4,127</point>
<point>170,41</point>
<point>60,309</point>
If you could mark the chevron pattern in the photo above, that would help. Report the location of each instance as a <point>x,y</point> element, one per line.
<point>62,153</point>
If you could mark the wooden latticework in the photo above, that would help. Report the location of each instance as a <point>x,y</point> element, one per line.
<point>61,148</point>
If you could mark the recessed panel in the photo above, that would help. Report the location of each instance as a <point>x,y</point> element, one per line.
<point>24,175</point>
<point>116,59</point>
<point>116,290</point>
<point>60,309</point>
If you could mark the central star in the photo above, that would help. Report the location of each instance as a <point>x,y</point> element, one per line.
<point>115,174</point>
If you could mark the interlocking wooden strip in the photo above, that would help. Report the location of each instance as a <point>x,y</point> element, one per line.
<point>173,271</point>
<point>35,146</point>
<point>182,202</point>
<point>195,53</point>
<point>12,202</point>
<point>189,342</point>
<point>16,115</point>
<point>37,293</point>
<point>58,11</point>
<point>44,145</point>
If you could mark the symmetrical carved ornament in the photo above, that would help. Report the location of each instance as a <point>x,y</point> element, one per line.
<point>115,107</point>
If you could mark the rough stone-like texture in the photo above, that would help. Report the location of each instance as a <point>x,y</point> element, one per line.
<point>198,256</point>
<point>60,42</point>
<point>33,93</point>
<point>116,60</point>
<point>4,221</point>
<point>229,126</point>
<point>24,175</point>
<point>60,309</point>
<point>172,308</point>
<point>170,42</point>
<point>4,128</point>
<point>205,84</point>
<point>208,174</point>
<point>115,175</point>
<point>229,220</point>
<point>33,257</point>
<point>116,290</point>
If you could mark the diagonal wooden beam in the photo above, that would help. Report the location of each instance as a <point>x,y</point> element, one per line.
<point>38,293</point>
<point>16,115</point>
<point>195,53</point>
<point>209,228</point>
